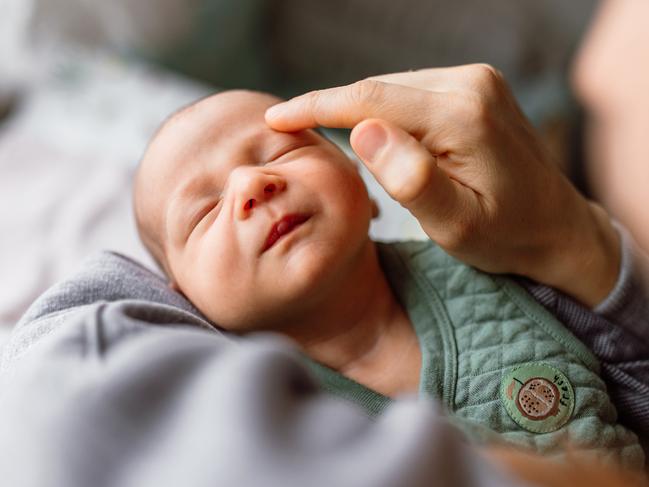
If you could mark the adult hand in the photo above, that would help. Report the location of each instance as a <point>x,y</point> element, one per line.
<point>452,146</point>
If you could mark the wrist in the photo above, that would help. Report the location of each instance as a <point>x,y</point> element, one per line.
<point>586,262</point>
<point>604,270</point>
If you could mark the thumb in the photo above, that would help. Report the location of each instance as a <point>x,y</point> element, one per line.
<point>406,170</point>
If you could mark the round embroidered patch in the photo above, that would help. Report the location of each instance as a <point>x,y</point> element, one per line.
<point>538,397</point>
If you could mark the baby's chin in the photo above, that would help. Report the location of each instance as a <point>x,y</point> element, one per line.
<point>311,279</point>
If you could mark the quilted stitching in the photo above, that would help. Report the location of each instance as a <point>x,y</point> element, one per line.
<point>496,327</point>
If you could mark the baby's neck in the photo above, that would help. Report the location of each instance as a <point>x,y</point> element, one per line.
<point>363,332</point>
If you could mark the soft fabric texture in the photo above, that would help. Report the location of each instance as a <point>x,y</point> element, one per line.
<point>617,331</point>
<point>112,379</point>
<point>60,402</point>
<point>473,329</point>
<point>104,277</point>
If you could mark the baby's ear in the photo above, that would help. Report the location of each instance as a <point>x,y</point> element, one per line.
<point>375,208</point>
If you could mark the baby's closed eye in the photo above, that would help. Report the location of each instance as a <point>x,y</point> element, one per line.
<point>276,155</point>
<point>212,207</point>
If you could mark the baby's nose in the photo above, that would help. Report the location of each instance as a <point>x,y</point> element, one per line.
<point>253,189</point>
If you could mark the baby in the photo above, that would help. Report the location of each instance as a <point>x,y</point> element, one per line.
<point>268,231</point>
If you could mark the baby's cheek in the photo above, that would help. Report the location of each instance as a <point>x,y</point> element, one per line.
<point>224,290</point>
<point>356,193</point>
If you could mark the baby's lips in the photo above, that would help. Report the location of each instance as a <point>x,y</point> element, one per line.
<point>282,227</point>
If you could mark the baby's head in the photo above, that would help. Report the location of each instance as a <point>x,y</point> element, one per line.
<point>254,226</point>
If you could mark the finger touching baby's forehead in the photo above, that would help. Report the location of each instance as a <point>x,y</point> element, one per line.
<point>229,117</point>
<point>232,120</point>
<point>219,115</point>
<point>230,105</point>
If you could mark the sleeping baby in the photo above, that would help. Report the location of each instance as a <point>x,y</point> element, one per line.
<point>268,231</point>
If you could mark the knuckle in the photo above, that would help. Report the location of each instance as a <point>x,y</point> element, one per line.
<point>486,73</point>
<point>313,99</point>
<point>487,80</point>
<point>500,77</point>
<point>366,92</point>
<point>409,188</point>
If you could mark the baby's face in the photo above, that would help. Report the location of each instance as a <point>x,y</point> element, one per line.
<point>256,227</point>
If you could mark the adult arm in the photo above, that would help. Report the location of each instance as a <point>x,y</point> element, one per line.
<point>452,146</point>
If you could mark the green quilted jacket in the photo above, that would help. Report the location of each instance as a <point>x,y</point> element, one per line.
<point>500,363</point>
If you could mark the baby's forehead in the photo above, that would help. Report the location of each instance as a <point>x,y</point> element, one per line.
<point>213,128</point>
<point>229,107</point>
<point>235,118</point>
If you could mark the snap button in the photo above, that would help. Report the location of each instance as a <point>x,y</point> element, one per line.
<point>538,397</point>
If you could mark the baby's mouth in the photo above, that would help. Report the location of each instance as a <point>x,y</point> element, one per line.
<point>282,227</point>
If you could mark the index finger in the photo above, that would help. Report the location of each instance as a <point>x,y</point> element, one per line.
<point>468,77</point>
<point>346,106</point>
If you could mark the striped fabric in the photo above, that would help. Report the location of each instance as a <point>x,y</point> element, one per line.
<point>617,333</point>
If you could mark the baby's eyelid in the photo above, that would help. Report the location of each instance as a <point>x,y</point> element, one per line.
<point>215,206</point>
<point>286,150</point>
<point>272,160</point>
<point>208,209</point>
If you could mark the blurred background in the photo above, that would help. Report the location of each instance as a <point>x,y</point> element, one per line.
<point>85,83</point>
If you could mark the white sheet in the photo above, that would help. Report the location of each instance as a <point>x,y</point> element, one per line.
<point>66,160</point>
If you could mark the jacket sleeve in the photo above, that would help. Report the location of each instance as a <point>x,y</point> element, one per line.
<point>617,331</point>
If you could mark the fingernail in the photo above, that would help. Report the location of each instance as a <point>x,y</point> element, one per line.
<point>369,141</point>
<point>275,111</point>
